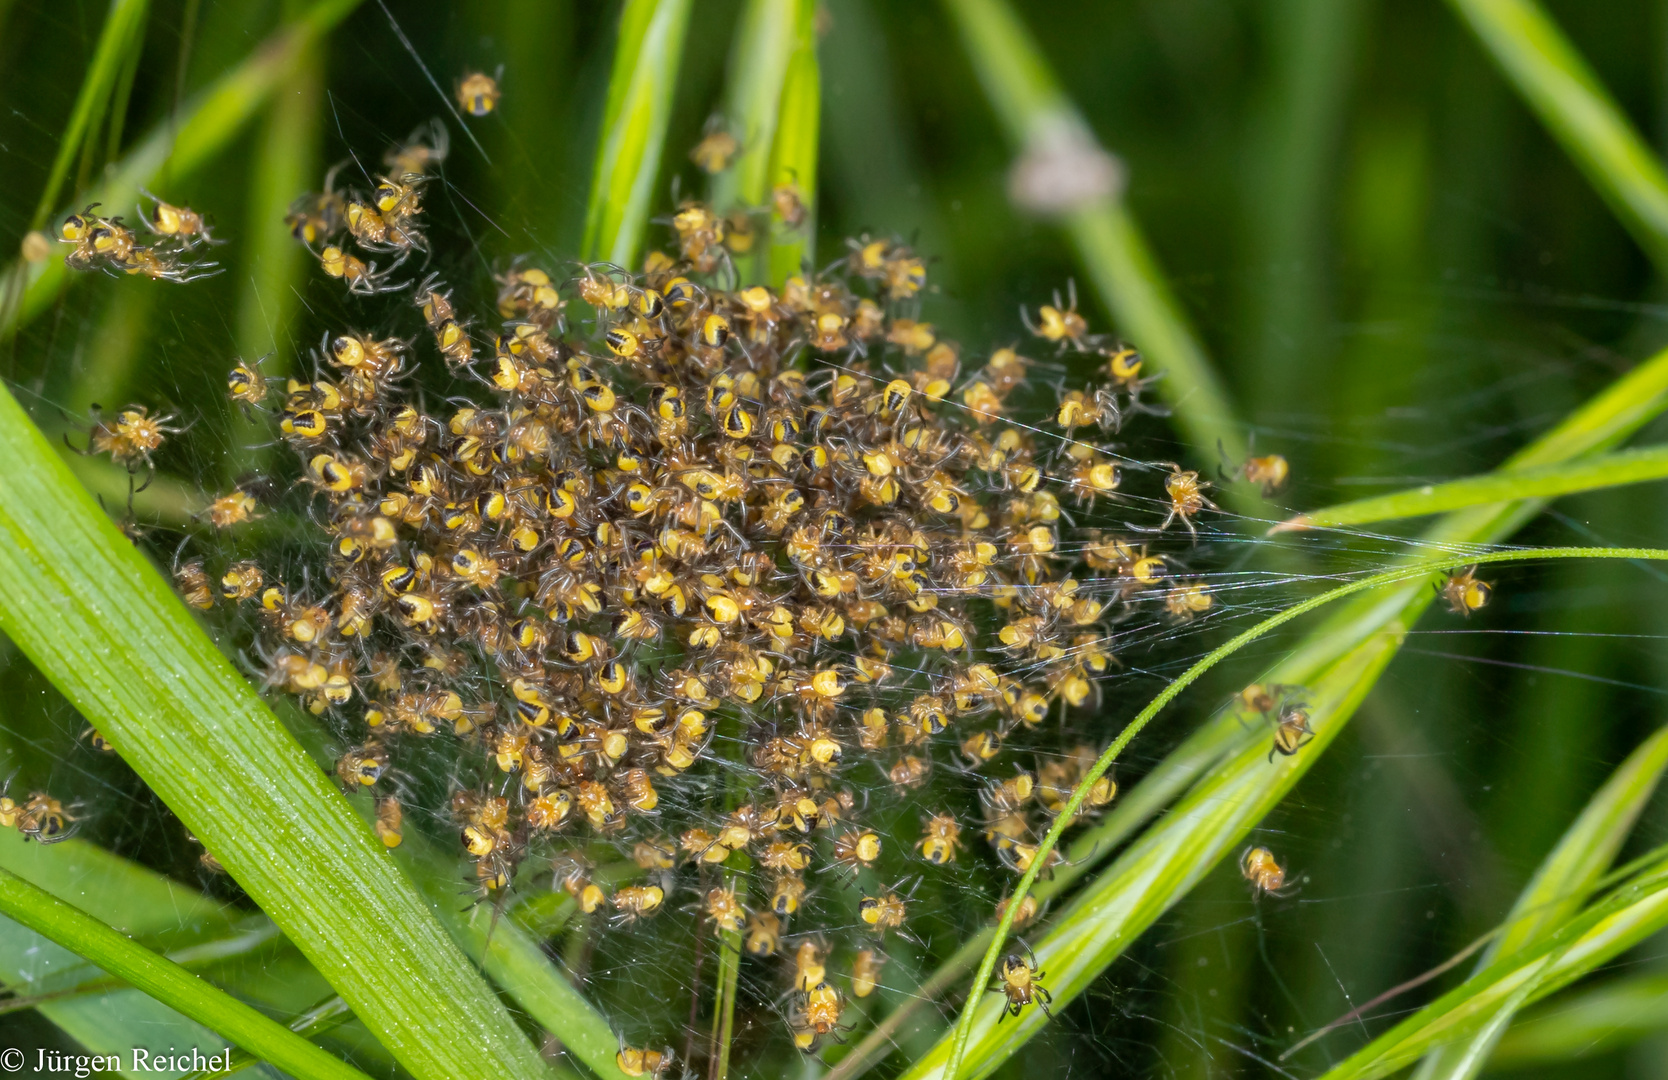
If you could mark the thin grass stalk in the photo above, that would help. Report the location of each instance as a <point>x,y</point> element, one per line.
<point>728,943</point>
<point>166,981</point>
<point>101,623</point>
<point>1423,569</point>
<point>1599,425</point>
<point>1562,883</point>
<point>1591,474</point>
<point>204,128</point>
<point>122,35</point>
<point>1040,119</point>
<point>1570,100</point>
<point>121,96</point>
<point>286,162</point>
<point>638,108</point>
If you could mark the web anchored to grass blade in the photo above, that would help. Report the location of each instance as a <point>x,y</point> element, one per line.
<point>100,622</point>
<point>1589,474</point>
<point>1412,572</point>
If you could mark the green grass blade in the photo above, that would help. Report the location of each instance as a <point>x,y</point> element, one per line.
<point>1601,424</point>
<point>203,129</point>
<point>123,34</point>
<point>634,120</point>
<point>1586,1023</point>
<point>1339,663</point>
<point>1559,888</point>
<point>326,1016</point>
<point>102,624</point>
<point>1572,870</point>
<point>1561,89</point>
<point>1034,109</point>
<point>1611,926</point>
<point>1590,474</point>
<point>766,38</point>
<point>772,104</point>
<point>1324,713</point>
<point>140,903</point>
<point>164,980</point>
<point>286,163</point>
<point>793,155</point>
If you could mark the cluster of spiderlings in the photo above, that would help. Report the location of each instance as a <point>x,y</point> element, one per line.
<point>686,530</point>
<point>388,221</point>
<point>100,243</point>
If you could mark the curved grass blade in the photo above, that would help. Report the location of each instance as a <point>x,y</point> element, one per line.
<point>1324,709</point>
<point>1559,888</point>
<point>634,120</point>
<point>1572,870</point>
<point>258,940</point>
<point>1043,123</point>
<point>166,981</point>
<point>1603,423</point>
<point>1563,91</point>
<point>205,127</point>
<point>1590,474</point>
<point>118,44</point>
<point>1614,924</point>
<point>100,622</point>
<point>1350,649</point>
<point>1586,1023</point>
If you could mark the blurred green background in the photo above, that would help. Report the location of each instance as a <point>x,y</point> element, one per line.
<point>1398,273</point>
